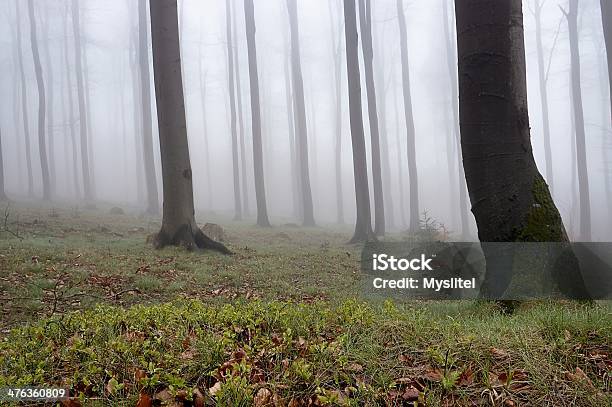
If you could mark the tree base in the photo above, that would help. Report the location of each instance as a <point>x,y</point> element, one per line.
<point>189,238</point>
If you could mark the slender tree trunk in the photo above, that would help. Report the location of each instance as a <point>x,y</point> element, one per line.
<point>76,27</point>
<point>400,160</point>
<point>363,225</point>
<point>2,190</point>
<point>606,15</point>
<point>451,58</point>
<point>42,143</point>
<point>71,115</point>
<point>411,148</point>
<point>243,153</point>
<point>232,102</point>
<point>90,127</point>
<point>178,225</point>
<point>510,199</point>
<point>24,103</point>
<point>145,101</point>
<point>202,76</point>
<point>260,189</point>
<point>581,158</point>
<point>365,24</point>
<point>293,158</point>
<point>141,193</point>
<point>50,104</point>
<point>299,107</point>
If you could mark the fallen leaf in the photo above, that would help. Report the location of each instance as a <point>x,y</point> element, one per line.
<point>466,378</point>
<point>144,400</point>
<point>198,398</point>
<point>355,367</point>
<point>139,375</point>
<point>262,398</point>
<point>163,395</point>
<point>433,375</point>
<point>213,390</point>
<point>499,353</point>
<point>579,377</point>
<point>411,394</point>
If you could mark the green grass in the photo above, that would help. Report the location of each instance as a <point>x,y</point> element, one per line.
<point>87,304</point>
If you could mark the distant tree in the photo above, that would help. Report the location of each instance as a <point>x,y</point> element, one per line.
<point>510,199</point>
<point>260,189</point>
<point>410,131</point>
<point>363,224</point>
<point>202,76</point>
<point>42,142</point>
<point>581,158</point>
<point>606,15</point>
<point>178,225</point>
<point>145,110</point>
<point>399,161</point>
<point>233,118</point>
<point>299,110</point>
<point>24,101</point>
<point>2,190</point>
<point>295,179</point>
<point>83,118</point>
<point>367,47</point>
<point>50,101</point>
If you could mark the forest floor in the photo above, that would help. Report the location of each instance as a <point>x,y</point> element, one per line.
<point>86,304</point>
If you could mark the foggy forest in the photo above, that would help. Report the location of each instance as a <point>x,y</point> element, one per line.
<point>283,137</point>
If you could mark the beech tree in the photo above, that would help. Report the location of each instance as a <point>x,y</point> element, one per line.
<point>178,224</point>
<point>260,189</point>
<point>295,180</point>
<point>363,224</point>
<point>413,176</point>
<point>42,142</point>
<point>50,103</point>
<point>145,110</point>
<point>2,190</point>
<point>606,16</point>
<point>365,24</point>
<point>299,110</point>
<point>581,158</point>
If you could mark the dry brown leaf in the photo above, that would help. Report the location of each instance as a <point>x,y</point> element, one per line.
<point>213,390</point>
<point>198,398</point>
<point>411,394</point>
<point>139,375</point>
<point>499,353</point>
<point>144,400</point>
<point>355,367</point>
<point>163,395</point>
<point>262,398</point>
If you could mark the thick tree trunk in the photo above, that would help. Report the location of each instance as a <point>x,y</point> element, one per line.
<point>299,109</point>
<point>78,58</point>
<point>145,101</point>
<point>543,94</point>
<point>410,131</point>
<point>2,190</point>
<point>233,124</point>
<point>50,104</point>
<point>451,58</point>
<point>606,15</point>
<point>581,158</point>
<point>71,115</point>
<point>243,153</point>
<point>42,142</point>
<point>24,103</point>
<point>363,225</point>
<point>293,158</point>
<point>365,24</point>
<point>510,200</point>
<point>178,225</point>
<point>260,189</point>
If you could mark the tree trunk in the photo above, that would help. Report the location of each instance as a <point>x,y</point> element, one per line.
<point>363,225</point>
<point>293,158</point>
<point>543,93</point>
<point>299,110</point>
<point>510,200</point>
<point>50,105</point>
<point>451,58</point>
<point>232,101</point>
<point>260,189</point>
<point>243,154</point>
<point>365,25</point>
<point>76,27</point>
<point>145,101</point>
<point>2,190</point>
<point>410,131</point>
<point>606,15</point>
<point>42,143</point>
<point>178,225</point>
<point>71,115</point>
<point>24,103</point>
<point>581,159</point>
<point>400,159</point>
<point>202,76</point>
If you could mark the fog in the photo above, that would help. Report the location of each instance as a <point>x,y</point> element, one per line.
<point>108,31</point>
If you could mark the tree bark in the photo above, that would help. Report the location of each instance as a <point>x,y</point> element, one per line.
<point>543,94</point>
<point>50,104</point>
<point>410,131</point>
<point>451,58</point>
<point>293,158</point>
<point>24,103</point>
<point>178,224</point>
<point>76,27</point>
<point>233,124</point>
<point>299,109</point>
<point>42,143</point>
<point>606,15</point>
<point>581,159</point>
<point>260,189</point>
<point>145,101</point>
<point>202,76</point>
<point>363,224</point>
<point>2,190</point>
<point>365,24</point>
<point>510,200</point>
<point>400,159</point>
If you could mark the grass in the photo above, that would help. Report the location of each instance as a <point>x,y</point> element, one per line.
<point>87,305</point>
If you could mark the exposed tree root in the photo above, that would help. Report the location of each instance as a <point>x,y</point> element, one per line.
<point>191,238</point>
